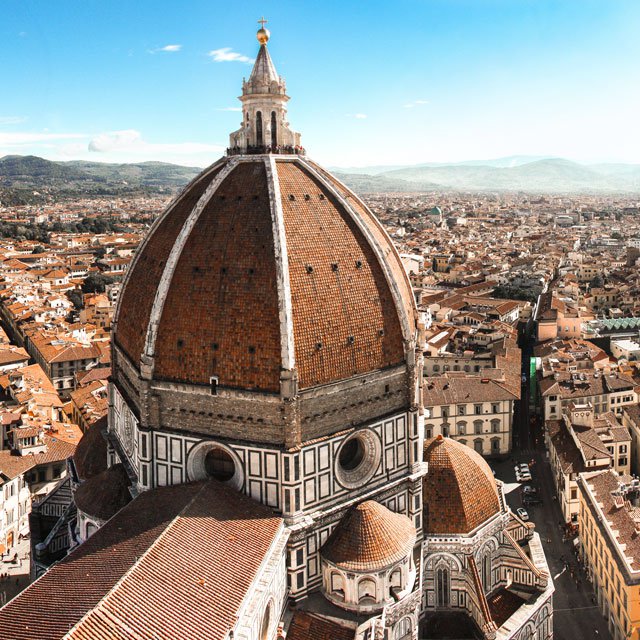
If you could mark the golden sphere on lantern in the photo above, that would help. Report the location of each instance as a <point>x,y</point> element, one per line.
<point>263,35</point>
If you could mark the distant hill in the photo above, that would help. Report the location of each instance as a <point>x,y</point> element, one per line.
<point>25,178</point>
<point>550,175</point>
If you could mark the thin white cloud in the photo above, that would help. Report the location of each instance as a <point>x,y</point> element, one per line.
<point>114,140</point>
<point>229,109</point>
<point>357,116</point>
<point>169,48</point>
<point>127,145</point>
<point>415,103</point>
<point>12,120</point>
<point>130,143</point>
<point>226,54</point>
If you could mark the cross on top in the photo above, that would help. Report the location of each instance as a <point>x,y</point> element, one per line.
<point>262,22</point>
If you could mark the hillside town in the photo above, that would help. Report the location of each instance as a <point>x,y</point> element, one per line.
<point>531,307</point>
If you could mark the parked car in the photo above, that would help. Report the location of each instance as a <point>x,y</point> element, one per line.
<point>524,468</point>
<point>523,477</point>
<point>522,513</point>
<point>529,489</point>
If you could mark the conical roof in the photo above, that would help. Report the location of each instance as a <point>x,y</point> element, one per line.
<point>264,71</point>
<point>459,492</point>
<point>369,537</point>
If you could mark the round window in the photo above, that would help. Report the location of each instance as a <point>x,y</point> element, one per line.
<point>219,464</point>
<point>358,459</point>
<point>215,460</point>
<point>351,454</point>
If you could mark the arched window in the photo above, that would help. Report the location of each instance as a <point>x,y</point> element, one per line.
<point>436,367</point>
<point>404,629</point>
<point>445,429</point>
<point>477,445</point>
<point>495,426</point>
<point>266,623</point>
<point>428,431</point>
<point>337,585</point>
<point>442,587</point>
<point>395,581</point>
<point>366,590</point>
<point>462,428</point>
<point>274,132</point>
<point>477,427</point>
<point>259,137</point>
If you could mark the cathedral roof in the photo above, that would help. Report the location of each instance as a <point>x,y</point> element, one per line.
<point>369,537</point>
<point>173,561</point>
<point>266,264</point>
<point>307,626</point>
<point>459,491</point>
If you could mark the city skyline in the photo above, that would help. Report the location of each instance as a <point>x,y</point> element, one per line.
<point>443,81</point>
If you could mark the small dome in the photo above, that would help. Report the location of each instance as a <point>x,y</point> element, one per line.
<point>369,537</point>
<point>459,492</point>
<point>90,456</point>
<point>102,496</point>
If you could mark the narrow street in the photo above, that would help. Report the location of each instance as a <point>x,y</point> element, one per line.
<point>573,592</point>
<point>575,614</point>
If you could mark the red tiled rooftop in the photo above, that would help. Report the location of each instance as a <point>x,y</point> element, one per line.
<point>369,537</point>
<point>172,564</point>
<point>222,314</point>
<point>459,490</point>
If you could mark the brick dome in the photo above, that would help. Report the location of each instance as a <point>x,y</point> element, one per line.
<point>368,538</point>
<point>265,264</point>
<point>103,495</point>
<point>459,491</point>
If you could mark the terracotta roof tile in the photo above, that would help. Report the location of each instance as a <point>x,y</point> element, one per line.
<point>369,537</point>
<point>220,316</point>
<point>90,457</point>
<point>138,294</point>
<point>222,313</point>
<point>459,491</point>
<point>103,495</point>
<point>344,316</point>
<point>172,564</point>
<point>307,626</point>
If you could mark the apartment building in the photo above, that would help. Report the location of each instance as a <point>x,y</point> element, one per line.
<point>609,525</point>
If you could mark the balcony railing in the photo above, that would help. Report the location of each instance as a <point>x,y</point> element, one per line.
<point>260,149</point>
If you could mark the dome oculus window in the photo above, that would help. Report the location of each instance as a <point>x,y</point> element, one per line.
<point>351,454</point>
<point>358,459</point>
<point>215,460</point>
<point>219,464</point>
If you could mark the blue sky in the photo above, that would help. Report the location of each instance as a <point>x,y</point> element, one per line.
<point>370,82</point>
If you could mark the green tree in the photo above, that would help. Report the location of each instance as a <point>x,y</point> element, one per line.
<point>96,283</point>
